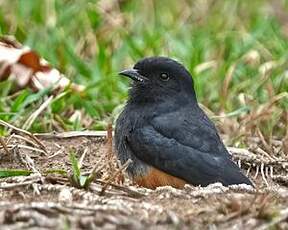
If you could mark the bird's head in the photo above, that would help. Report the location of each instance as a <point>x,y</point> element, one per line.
<point>156,79</point>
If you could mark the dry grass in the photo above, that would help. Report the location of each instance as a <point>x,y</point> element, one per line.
<point>237,53</point>
<point>47,199</point>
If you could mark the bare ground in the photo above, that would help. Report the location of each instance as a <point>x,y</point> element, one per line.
<point>48,201</point>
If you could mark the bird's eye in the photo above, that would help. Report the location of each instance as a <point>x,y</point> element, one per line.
<point>164,76</point>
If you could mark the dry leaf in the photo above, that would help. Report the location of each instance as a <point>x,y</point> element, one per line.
<point>27,69</point>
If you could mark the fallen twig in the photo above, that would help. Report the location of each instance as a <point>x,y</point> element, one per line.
<point>81,159</point>
<point>5,185</point>
<point>70,134</point>
<point>109,146</point>
<point>120,170</point>
<point>56,153</point>
<point>23,139</point>
<point>26,147</point>
<point>2,142</point>
<point>42,146</point>
<point>35,114</point>
<point>126,189</point>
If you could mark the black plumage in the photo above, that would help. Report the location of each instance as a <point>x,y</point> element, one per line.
<point>162,126</point>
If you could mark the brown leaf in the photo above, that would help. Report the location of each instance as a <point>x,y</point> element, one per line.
<point>31,60</point>
<point>27,69</point>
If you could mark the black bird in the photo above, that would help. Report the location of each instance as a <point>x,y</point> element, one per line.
<point>162,129</point>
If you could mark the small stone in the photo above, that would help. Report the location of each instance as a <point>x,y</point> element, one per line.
<point>65,196</point>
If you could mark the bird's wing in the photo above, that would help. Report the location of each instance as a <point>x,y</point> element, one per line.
<point>187,162</point>
<point>195,131</point>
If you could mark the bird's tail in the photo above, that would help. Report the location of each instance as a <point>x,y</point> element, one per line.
<point>232,175</point>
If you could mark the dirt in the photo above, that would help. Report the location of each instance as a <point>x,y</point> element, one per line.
<point>48,201</point>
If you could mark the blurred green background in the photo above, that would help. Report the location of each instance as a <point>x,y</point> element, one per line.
<point>236,51</point>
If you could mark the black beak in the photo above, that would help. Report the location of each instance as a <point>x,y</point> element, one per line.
<point>133,74</point>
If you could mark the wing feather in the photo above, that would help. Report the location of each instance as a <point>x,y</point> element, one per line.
<point>186,162</point>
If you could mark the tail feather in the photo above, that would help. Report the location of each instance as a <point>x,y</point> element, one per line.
<point>232,175</point>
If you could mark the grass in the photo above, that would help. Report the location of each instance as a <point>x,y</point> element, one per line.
<point>226,45</point>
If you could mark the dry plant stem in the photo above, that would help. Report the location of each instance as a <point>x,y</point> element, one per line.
<point>255,160</point>
<point>29,163</point>
<point>248,171</point>
<point>26,160</point>
<point>72,134</point>
<point>34,115</point>
<point>94,187</point>
<point>265,144</point>
<point>265,110</point>
<point>61,181</point>
<point>56,179</point>
<point>109,146</point>
<point>238,151</point>
<point>16,153</point>
<point>133,193</point>
<point>24,139</point>
<point>26,147</point>
<point>262,152</point>
<point>55,154</point>
<point>232,215</point>
<point>25,132</point>
<point>10,138</point>
<point>256,173</point>
<point>81,159</point>
<point>96,170</point>
<point>276,98</point>
<point>120,170</point>
<point>2,142</point>
<point>271,172</point>
<point>227,80</point>
<point>5,185</point>
<point>263,175</point>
